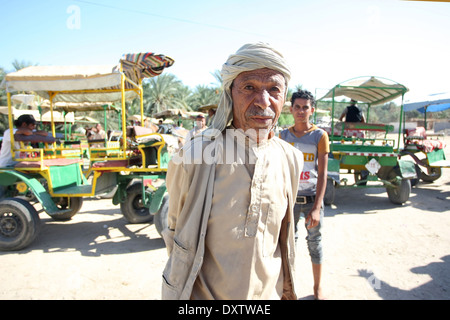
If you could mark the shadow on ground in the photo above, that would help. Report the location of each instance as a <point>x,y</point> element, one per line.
<point>438,288</point>
<point>425,196</point>
<point>108,233</point>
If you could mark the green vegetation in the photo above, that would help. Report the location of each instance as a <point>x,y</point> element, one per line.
<point>168,92</point>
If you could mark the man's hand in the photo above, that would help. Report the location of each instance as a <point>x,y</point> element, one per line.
<point>313,218</point>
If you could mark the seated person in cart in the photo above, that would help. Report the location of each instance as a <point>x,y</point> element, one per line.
<point>352,113</point>
<point>25,130</point>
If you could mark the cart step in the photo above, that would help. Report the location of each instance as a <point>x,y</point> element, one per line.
<point>39,191</point>
<point>83,190</point>
<point>441,163</point>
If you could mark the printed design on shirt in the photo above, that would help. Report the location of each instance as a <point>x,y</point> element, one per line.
<point>305,176</point>
<point>308,144</point>
<point>309,157</point>
<point>308,177</point>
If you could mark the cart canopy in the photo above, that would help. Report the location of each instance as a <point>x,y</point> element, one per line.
<point>371,90</point>
<point>82,106</point>
<point>88,83</point>
<point>170,113</point>
<point>58,117</point>
<point>432,103</point>
<point>207,107</point>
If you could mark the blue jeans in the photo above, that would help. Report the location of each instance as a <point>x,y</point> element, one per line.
<point>314,235</point>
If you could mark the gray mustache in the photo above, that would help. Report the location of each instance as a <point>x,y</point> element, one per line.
<point>257,111</point>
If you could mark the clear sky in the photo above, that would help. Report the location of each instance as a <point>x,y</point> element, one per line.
<point>325,41</point>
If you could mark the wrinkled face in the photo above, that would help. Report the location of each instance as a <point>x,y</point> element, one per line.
<point>302,110</point>
<point>258,97</point>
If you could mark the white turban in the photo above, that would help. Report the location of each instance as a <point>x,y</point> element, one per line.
<point>249,57</point>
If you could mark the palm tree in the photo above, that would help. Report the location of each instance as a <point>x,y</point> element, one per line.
<point>160,93</point>
<point>3,102</point>
<point>291,91</point>
<point>2,91</point>
<point>218,76</point>
<point>182,97</point>
<point>22,64</point>
<point>203,95</point>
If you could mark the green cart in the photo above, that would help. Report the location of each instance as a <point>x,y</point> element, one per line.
<point>427,150</point>
<point>366,151</point>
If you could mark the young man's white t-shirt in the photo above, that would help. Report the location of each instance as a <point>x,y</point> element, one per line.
<point>5,153</point>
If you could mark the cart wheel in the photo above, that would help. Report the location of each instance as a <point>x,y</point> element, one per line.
<point>73,204</point>
<point>362,175</point>
<point>433,173</point>
<point>400,193</point>
<point>415,181</point>
<point>330,191</point>
<point>132,208</point>
<point>19,224</point>
<point>161,216</point>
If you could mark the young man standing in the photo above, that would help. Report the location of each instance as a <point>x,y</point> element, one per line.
<point>314,144</point>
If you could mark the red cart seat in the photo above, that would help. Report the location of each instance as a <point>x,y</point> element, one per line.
<point>418,137</point>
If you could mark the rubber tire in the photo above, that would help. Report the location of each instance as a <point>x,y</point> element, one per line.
<point>400,194</point>
<point>330,192</point>
<point>63,203</point>
<point>362,175</point>
<point>25,215</point>
<point>433,173</point>
<point>131,208</point>
<point>161,217</point>
<point>415,181</point>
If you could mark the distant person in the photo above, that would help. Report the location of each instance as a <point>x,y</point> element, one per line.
<point>25,125</point>
<point>199,126</point>
<point>78,129</point>
<point>352,113</point>
<point>211,114</point>
<point>163,128</point>
<point>314,144</point>
<point>97,132</point>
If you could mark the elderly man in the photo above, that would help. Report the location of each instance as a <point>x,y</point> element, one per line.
<point>232,191</point>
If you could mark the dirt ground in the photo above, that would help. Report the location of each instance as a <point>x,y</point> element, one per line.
<point>373,250</point>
